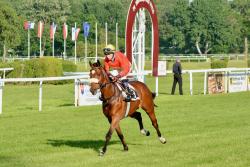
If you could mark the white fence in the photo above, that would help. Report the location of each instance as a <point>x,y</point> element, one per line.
<point>5,69</point>
<point>40,80</point>
<point>199,58</point>
<point>226,72</point>
<point>84,76</point>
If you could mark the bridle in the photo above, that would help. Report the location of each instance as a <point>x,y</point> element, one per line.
<point>101,85</point>
<point>96,81</point>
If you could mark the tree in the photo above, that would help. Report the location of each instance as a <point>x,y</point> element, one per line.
<point>179,20</point>
<point>243,8</point>
<point>9,28</point>
<point>213,26</point>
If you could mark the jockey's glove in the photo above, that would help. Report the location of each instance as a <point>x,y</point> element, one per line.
<point>116,78</point>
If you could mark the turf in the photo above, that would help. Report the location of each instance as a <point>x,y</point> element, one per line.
<point>202,131</point>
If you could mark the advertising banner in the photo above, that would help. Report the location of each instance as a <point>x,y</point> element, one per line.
<point>248,80</point>
<point>162,68</point>
<point>84,96</point>
<point>216,83</point>
<point>237,82</point>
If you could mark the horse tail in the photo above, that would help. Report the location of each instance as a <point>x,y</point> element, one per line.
<point>153,96</point>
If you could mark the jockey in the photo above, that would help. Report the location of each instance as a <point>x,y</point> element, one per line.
<point>118,62</point>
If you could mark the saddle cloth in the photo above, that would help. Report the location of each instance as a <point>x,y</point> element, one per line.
<point>122,89</point>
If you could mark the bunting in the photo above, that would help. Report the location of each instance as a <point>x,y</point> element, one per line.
<point>75,32</point>
<point>52,31</point>
<point>40,29</point>
<point>65,31</point>
<point>28,25</point>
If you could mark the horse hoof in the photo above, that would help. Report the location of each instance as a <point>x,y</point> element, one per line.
<point>162,140</point>
<point>145,132</point>
<point>126,148</point>
<point>101,153</point>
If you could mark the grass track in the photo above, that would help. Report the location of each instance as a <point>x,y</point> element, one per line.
<point>202,131</point>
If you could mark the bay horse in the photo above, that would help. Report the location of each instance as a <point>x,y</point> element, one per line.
<point>114,107</point>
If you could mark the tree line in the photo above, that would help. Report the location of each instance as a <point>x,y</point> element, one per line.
<point>199,27</point>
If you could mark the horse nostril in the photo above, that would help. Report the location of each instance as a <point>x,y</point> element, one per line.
<point>93,92</point>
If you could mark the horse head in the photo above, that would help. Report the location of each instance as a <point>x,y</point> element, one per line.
<point>98,77</point>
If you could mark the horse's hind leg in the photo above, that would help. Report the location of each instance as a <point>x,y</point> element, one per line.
<point>119,133</point>
<point>153,119</point>
<point>137,115</point>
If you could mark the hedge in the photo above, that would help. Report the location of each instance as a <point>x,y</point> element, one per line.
<point>68,66</point>
<point>215,63</point>
<point>41,67</point>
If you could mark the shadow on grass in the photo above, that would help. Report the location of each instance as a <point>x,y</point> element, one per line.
<point>164,93</point>
<point>66,105</point>
<point>86,144</point>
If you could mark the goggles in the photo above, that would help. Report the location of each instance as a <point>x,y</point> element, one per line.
<point>107,51</point>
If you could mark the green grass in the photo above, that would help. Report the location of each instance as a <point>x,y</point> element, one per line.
<point>209,130</point>
<point>202,131</point>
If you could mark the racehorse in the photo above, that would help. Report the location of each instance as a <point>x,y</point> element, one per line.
<point>114,107</point>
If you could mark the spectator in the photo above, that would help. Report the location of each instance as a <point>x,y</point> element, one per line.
<point>177,71</point>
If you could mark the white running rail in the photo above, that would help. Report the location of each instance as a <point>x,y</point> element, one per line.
<point>40,80</point>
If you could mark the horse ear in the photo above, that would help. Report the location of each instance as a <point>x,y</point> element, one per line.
<point>91,65</point>
<point>99,63</point>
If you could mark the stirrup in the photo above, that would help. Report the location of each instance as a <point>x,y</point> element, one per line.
<point>128,98</point>
<point>135,98</point>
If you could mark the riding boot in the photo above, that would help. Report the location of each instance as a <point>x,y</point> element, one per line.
<point>129,94</point>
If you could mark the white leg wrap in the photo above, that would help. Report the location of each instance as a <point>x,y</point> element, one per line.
<point>143,131</point>
<point>162,140</point>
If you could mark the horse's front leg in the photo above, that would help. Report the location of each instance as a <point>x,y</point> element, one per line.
<point>119,133</point>
<point>114,123</point>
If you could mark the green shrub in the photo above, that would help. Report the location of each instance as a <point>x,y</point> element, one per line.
<point>18,71</point>
<point>68,66</point>
<point>34,68</point>
<point>248,63</point>
<point>43,67</point>
<point>215,63</point>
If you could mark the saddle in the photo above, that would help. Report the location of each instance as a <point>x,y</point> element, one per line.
<point>128,91</point>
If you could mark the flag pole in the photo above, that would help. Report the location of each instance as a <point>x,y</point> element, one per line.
<point>40,39</point>
<point>86,49</point>
<point>53,48</point>
<point>64,49</point>
<point>75,42</point>
<point>116,35</point>
<point>65,44</point>
<point>28,43</point>
<point>96,42</point>
<point>53,42</point>
<point>106,31</point>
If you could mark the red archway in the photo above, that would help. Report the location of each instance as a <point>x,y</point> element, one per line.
<point>134,7</point>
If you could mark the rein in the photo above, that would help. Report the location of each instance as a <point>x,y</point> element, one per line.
<point>101,85</point>
<point>95,80</point>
